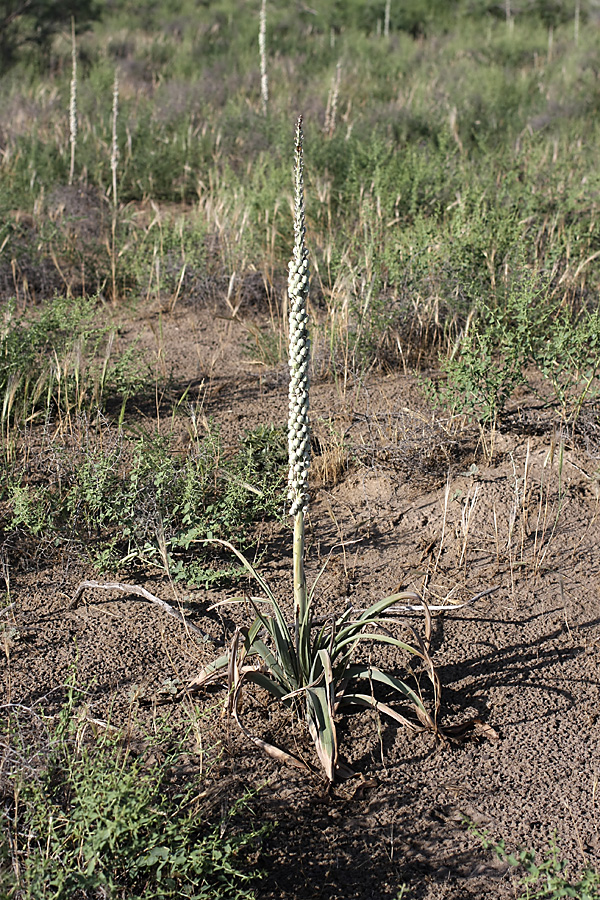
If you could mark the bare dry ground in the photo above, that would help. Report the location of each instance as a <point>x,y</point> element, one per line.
<point>403,497</point>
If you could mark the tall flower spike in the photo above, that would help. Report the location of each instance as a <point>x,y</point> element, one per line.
<point>262,46</point>
<point>114,156</point>
<point>73,102</point>
<point>298,424</point>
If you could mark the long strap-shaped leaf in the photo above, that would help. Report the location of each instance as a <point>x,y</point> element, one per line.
<point>424,652</point>
<point>320,703</point>
<point>286,652</point>
<point>269,684</point>
<point>374,674</point>
<point>272,664</point>
<point>281,636</point>
<point>378,638</point>
<point>367,700</point>
<point>303,631</point>
<point>373,613</point>
<point>322,729</point>
<point>209,673</point>
<point>247,565</point>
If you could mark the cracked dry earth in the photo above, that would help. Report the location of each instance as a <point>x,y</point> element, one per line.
<point>403,498</point>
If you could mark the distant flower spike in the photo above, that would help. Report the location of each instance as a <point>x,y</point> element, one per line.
<point>262,45</point>
<point>114,156</point>
<point>298,281</point>
<point>73,102</point>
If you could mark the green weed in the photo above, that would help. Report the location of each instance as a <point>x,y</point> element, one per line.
<point>142,502</point>
<point>546,873</point>
<point>60,362</point>
<point>92,817</point>
<point>504,344</point>
<point>569,357</point>
<point>490,363</point>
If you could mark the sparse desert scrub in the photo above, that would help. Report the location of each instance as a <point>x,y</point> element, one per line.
<point>403,174</point>
<point>451,217</point>
<point>88,812</point>
<point>125,504</point>
<point>546,874</point>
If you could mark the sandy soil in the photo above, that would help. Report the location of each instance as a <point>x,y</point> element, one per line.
<point>403,497</point>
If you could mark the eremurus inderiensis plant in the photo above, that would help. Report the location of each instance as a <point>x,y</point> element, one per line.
<point>308,664</point>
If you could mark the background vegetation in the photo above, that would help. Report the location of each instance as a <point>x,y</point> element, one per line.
<point>452,168</point>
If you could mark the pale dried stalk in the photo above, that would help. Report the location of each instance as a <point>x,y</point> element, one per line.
<point>114,162</point>
<point>137,591</point>
<point>262,46</point>
<point>332,100</point>
<point>465,521</point>
<point>73,102</point>
<point>114,156</point>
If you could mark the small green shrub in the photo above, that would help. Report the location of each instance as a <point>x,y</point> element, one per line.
<point>95,820</point>
<point>490,363</point>
<point>545,877</point>
<point>504,342</point>
<point>61,361</point>
<point>34,24</point>
<point>29,507</point>
<point>568,356</point>
<point>143,502</point>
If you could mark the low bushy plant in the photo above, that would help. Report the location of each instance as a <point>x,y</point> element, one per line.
<point>503,344</point>
<point>91,818</point>
<point>482,377</point>
<point>142,502</point>
<point>568,356</point>
<point>546,874</point>
<point>60,361</point>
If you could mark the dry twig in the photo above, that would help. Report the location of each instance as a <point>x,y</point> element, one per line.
<point>139,592</point>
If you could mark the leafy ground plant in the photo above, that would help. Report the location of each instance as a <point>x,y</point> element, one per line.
<point>60,361</point>
<point>545,874</point>
<point>95,820</point>
<point>310,664</point>
<point>529,330</point>
<point>132,503</point>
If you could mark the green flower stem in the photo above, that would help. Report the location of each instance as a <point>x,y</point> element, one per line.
<point>299,574</point>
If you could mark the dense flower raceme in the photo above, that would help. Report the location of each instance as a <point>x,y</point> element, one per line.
<point>298,280</point>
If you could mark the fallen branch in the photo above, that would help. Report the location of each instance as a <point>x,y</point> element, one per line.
<point>450,607</point>
<point>138,592</point>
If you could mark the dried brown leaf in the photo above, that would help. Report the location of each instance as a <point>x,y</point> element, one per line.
<point>465,729</point>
